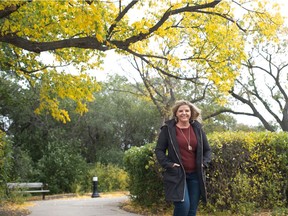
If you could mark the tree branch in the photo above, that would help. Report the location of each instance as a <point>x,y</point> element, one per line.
<point>192,79</point>
<point>10,9</point>
<point>165,17</point>
<point>255,111</point>
<point>258,96</point>
<point>38,47</point>
<point>120,16</point>
<point>218,112</point>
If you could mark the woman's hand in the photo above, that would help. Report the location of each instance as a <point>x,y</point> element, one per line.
<point>176,165</point>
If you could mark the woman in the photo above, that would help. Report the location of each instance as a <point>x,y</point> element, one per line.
<point>188,155</point>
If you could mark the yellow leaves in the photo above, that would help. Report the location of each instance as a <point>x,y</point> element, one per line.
<point>220,53</point>
<point>60,19</point>
<point>146,98</point>
<point>186,44</point>
<point>52,105</point>
<point>99,37</point>
<point>141,26</point>
<point>263,25</point>
<point>5,27</point>
<point>140,47</point>
<point>173,61</point>
<point>58,89</point>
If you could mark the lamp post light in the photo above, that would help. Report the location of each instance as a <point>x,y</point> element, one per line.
<point>95,185</point>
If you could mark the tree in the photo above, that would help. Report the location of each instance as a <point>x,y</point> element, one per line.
<point>163,90</point>
<point>204,36</point>
<point>263,86</point>
<point>116,121</point>
<point>133,120</point>
<point>266,86</point>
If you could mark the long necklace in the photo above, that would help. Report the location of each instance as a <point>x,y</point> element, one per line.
<point>187,140</point>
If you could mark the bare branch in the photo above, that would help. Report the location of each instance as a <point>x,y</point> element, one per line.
<point>220,111</point>
<point>255,111</point>
<point>225,17</point>
<point>149,87</point>
<point>201,97</point>
<point>192,79</point>
<point>256,93</point>
<point>120,16</point>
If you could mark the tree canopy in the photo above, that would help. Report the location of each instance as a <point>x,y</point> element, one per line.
<point>206,39</point>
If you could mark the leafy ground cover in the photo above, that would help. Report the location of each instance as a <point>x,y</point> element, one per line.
<point>130,207</point>
<point>11,209</point>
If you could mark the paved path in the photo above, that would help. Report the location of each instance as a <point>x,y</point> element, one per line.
<point>102,206</point>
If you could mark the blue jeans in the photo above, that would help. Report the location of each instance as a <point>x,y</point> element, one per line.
<point>191,197</point>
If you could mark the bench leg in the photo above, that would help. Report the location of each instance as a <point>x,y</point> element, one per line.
<point>43,196</point>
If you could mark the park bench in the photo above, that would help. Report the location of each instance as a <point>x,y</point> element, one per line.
<point>33,187</point>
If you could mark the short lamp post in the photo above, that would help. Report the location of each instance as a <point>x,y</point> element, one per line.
<point>95,185</point>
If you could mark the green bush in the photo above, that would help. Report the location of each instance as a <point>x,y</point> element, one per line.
<point>248,168</point>
<point>110,156</point>
<point>22,169</point>
<point>5,163</point>
<point>61,168</point>
<point>110,178</point>
<point>249,171</point>
<point>145,184</point>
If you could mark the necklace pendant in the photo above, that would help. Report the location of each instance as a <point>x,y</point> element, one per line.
<point>190,148</point>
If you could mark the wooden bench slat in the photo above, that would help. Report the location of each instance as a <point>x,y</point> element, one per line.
<point>36,191</point>
<point>28,185</point>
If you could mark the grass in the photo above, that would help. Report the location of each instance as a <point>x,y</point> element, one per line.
<point>134,208</point>
<point>13,209</point>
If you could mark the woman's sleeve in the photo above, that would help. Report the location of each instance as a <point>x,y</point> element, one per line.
<point>161,148</point>
<point>206,150</point>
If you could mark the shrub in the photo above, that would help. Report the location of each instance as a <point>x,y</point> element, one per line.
<point>110,178</point>
<point>110,156</point>
<point>61,167</point>
<point>145,184</point>
<point>248,168</point>
<point>5,163</point>
<point>22,169</point>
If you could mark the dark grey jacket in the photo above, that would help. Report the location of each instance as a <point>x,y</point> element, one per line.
<point>174,177</point>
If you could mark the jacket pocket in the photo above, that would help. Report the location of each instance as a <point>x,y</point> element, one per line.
<point>171,175</point>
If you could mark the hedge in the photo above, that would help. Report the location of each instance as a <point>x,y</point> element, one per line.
<point>145,185</point>
<point>248,170</point>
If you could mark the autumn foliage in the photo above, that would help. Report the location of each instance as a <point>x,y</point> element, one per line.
<point>201,40</point>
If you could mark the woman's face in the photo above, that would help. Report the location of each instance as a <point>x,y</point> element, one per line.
<point>183,113</point>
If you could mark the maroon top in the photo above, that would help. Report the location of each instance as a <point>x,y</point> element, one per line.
<point>188,156</point>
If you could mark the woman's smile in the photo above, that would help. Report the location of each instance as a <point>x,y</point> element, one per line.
<point>183,113</point>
